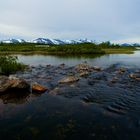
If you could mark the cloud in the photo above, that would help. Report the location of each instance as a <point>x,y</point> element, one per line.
<point>11,30</point>
<point>128,40</point>
<point>94,19</point>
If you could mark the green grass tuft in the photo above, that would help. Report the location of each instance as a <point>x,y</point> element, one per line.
<point>9,65</point>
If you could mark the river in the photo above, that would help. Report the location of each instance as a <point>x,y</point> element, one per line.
<point>91,108</point>
<point>98,60</point>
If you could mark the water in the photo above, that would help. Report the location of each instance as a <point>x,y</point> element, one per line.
<point>91,108</point>
<point>99,60</point>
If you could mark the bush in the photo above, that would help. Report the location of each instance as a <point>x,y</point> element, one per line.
<point>84,48</point>
<point>10,64</point>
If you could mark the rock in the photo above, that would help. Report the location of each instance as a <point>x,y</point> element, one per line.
<point>134,76</point>
<point>13,83</point>
<point>121,70</point>
<point>137,78</point>
<point>49,65</point>
<point>62,65</point>
<point>13,77</point>
<point>55,91</point>
<point>68,79</point>
<point>82,74</point>
<point>3,79</point>
<point>96,68</point>
<point>82,67</point>
<point>19,84</point>
<point>49,77</point>
<point>137,71</point>
<point>114,80</point>
<point>13,97</point>
<point>38,88</point>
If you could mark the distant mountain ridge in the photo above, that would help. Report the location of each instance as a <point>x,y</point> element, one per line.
<point>59,41</point>
<point>13,41</point>
<point>48,41</point>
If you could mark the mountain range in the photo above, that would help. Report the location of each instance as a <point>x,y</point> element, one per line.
<point>47,41</point>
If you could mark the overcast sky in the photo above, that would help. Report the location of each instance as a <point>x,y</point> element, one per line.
<point>100,20</point>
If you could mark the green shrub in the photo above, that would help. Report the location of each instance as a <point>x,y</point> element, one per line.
<point>10,64</point>
<point>84,48</point>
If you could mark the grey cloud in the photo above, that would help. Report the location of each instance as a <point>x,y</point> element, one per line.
<point>94,19</point>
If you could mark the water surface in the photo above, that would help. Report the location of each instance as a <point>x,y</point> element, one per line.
<point>92,108</point>
<point>99,60</point>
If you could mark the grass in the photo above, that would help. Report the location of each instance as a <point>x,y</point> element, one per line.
<point>9,65</point>
<point>119,50</point>
<point>84,48</point>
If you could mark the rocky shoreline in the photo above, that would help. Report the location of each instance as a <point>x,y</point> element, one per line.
<point>80,82</point>
<point>75,102</point>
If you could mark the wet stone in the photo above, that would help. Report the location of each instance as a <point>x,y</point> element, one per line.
<point>83,74</point>
<point>13,83</point>
<point>38,88</point>
<point>68,79</point>
<point>96,68</point>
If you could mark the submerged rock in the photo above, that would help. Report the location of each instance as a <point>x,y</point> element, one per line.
<point>82,67</point>
<point>62,65</point>
<point>96,68</point>
<point>68,79</point>
<point>38,88</point>
<point>54,91</point>
<point>121,70</point>
<point>134,76</point>
<point>13,97</point>
<point>86,68</point>
<point>13,83</point>
<point>114,80</point>
<point>82,74</point>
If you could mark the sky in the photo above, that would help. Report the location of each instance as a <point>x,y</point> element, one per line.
<point>101,20</point>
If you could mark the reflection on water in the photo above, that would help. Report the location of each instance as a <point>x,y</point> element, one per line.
<point>100,60</point>
<point>16,98</point>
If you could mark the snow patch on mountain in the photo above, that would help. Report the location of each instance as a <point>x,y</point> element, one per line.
<point>13,41</point>
<point>48,41</point>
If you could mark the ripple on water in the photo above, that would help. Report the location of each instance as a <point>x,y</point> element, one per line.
<point>119,102</point>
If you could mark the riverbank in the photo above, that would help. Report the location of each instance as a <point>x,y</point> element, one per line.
<point>77,49</point>
<point>119,51</point>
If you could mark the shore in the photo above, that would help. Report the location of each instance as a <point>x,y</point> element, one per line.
<point>63,79</point>
<point>76,49</point>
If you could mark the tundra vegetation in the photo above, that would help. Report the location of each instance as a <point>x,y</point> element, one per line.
<point>83,48</point>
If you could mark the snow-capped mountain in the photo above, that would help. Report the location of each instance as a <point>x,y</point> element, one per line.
<point>42,40</point>
<point>58,41</point>
<point>48,41</point>
<point>13,41</point>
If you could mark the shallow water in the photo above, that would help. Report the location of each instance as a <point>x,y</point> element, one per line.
<point>92,108</point>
